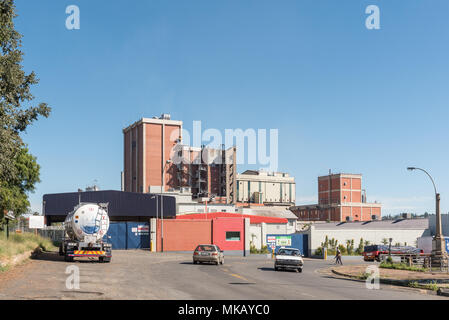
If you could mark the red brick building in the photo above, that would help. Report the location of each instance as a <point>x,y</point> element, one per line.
<point>340,198</point>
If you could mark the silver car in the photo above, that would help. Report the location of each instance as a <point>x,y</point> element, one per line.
<point>208,253</point>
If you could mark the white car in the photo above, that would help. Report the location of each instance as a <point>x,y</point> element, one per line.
<point>289,258</point>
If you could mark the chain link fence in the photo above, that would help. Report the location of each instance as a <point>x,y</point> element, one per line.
<point>55,233</point>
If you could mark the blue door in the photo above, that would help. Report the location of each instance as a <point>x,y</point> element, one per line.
<point>117,235</point>
<point>128,235</point>
<point>138,234</point>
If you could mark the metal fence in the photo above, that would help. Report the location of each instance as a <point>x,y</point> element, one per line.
<point>55,233</point>
<point>424,261</point>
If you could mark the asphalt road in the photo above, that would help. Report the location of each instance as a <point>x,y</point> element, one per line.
<point>144,275</point>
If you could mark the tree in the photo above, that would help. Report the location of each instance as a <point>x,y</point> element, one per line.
<point>360,247</point>
<point>384,241</point>
<point>19,171</point>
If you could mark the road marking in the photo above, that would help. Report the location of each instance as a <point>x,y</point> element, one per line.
<point>238,276</point>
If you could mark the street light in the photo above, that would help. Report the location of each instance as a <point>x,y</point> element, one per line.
<point>157,215</point>
<point>162,205</point>
<point>437,249</point>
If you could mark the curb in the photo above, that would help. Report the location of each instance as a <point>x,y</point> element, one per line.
<point>404,283</point>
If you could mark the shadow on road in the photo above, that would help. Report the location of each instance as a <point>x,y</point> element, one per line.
<point>54,256</point>
<point>272,269</point>
<point>48,256</point>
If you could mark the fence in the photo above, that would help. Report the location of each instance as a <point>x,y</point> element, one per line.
<point>425,261</point>
<point>55,233</point>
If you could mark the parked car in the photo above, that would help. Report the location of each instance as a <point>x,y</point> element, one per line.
<point>289,258</point>
<point>208,253</point>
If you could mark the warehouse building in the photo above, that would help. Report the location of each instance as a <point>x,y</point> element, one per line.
<point>259,226</point>
<point>404,231</point>
<point>129,213</point>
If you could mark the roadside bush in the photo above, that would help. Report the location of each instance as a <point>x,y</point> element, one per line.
<point>21,243</point>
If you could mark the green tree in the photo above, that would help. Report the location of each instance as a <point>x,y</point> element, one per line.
<point>385,241</point>
<point>19,171</point>
<point>360,247</point>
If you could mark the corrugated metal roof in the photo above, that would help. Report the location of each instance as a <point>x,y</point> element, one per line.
<point>253,218</point>
<point>266,211</point>
<point>412,224</point>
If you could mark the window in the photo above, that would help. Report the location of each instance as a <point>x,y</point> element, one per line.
<point>232,235</point>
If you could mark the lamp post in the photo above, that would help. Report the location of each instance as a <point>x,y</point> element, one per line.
<point>154,197</point>
<point>162,206</point>
<point>438,247</point>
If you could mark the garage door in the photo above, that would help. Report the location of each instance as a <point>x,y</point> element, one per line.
<point>129,235</point>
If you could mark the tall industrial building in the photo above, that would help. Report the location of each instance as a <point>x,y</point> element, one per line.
<point>155,160</point>
<point>340,198</point>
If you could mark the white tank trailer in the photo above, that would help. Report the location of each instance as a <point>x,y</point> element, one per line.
<point>85,228</point>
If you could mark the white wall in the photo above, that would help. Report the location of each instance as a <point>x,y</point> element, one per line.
<point>373,236</point>
<point>256,235</point>
<point>200,208</point>
<point>277,228</point>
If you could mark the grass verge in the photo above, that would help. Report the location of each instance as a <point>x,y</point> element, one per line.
<point>20,243</point>
<point>401,266</point>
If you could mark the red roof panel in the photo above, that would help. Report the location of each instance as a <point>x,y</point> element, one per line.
<point>253,218</point>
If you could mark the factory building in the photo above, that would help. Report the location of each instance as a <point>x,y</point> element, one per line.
<point>403,231</point>
<point>340,198</point>
<point>156,161</point>
<point>266,188</point>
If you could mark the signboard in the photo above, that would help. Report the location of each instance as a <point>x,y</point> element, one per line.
<point>141,230</point>
<point>36,222</point>
<point>447,244</point>
<point>283,241</point>
<point>271,239</point>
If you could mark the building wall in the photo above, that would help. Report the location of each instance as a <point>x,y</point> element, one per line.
<point>200,208</point>
<point>374,236</point>
<point>248,185</point>
<point>223,225</point>
<point>148,143</point>
<point>186,235</point>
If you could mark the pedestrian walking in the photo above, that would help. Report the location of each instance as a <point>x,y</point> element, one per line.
<point>338,257</point>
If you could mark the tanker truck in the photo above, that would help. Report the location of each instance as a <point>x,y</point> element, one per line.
<point>85,228</point>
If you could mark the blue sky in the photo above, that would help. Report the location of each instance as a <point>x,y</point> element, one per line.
<point>343,97</point>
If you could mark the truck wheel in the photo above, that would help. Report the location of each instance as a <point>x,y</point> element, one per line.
<point>68,259</point>
<point>299,270</point>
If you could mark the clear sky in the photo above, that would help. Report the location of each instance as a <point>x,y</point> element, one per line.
<point>343,97</point>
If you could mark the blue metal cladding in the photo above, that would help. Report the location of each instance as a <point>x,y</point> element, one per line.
<point>138,235</point>
<point>116,235</point>
<point>295,240</point>
<point>128,235</point>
